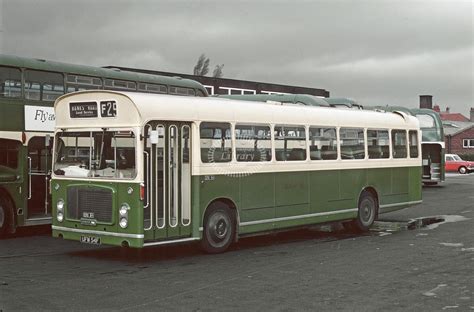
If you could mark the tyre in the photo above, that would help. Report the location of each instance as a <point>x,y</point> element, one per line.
<point>430,183</point>
<point>462,170</point>
<point>367,212</point>
<point>4,216</point>
<point>219,228</point>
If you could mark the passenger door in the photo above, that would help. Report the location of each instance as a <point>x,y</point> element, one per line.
<point>167,211</point>
<point>39,174</point>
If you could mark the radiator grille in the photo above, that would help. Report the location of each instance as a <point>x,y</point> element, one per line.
<point>95,203</point>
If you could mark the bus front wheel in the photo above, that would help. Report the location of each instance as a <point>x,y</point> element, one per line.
<point>367,212</point>
<point>219,228</point>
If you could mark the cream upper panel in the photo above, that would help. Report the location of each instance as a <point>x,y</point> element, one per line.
<point>137,108</point>
<point>127,114</point>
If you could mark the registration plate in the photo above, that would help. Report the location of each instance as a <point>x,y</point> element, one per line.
<point>93,240</point>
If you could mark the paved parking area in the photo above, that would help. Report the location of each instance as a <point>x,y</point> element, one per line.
<point>391,268</point>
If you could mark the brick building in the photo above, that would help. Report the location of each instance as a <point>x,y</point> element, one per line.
<point>459,135</point>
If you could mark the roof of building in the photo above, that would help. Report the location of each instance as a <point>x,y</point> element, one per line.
<point>456,127</point>
<point>453,117</point>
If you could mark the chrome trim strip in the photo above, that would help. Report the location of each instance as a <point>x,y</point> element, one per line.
<point>401,204</point>
<point>171,241</point>
<point>38,221</point>
<point>298,217</point>
<point>102,233</point>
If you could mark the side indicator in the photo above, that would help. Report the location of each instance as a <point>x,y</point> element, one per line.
<point>142,191</point>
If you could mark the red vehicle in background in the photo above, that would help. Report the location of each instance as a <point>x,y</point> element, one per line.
<point>455,163</point>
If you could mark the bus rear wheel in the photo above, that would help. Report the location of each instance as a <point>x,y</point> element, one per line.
<point>4,216</point>
<point>367,212</point>
<point>219,228</point>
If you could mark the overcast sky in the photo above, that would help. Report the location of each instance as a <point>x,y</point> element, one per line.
<point>375,51</point>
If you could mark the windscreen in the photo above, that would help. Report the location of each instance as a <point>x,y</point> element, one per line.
<point>95,154</point>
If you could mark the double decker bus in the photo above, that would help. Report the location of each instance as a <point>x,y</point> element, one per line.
<point>28,88</point>
<point>162,169</point>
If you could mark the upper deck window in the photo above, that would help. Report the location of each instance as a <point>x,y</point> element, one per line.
<point>114,84</point>
<point>43,86</point>
<point>10,82</point>
<point>78,83</point>
<point>152,88</point>
<point>426,121</point>
<point>182,91</point>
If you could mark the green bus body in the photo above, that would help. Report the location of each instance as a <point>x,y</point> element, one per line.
<point>264,202</point>
<point>26,84</point>
<point>276,195</point>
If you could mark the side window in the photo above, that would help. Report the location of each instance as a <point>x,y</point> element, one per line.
<point>215,141</point>
<point>290,143</point>
<point>9,153</point>
<point>449,158</point>
<point>43,86</point>
<point>322,143</point>
<point>352,143</point>
<point>152,88</point>
<point>114,84</point>
<point>182,91</point>
<point>78,83</point>
<point>253,143</point>
<point>378,144</point>
<point>10,82</point>
<point>399,143</point>
<point>413,135</point>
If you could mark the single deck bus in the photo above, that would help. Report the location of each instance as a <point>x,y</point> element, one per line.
<point>28,88</point>
<point>432,144</point>
<point>162,169</point>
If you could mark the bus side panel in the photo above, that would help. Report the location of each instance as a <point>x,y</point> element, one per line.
<point>352,182</point>
<point>257,197</point>
<point>380,179</point>
<point>291,194</point>
<point>212,187</point>
<point>415,187</point>
<point>324,190</point>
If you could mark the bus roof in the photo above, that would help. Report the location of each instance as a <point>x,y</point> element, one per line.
<point>304,99</point>
<point>136,109</point>
<point>40,64</point>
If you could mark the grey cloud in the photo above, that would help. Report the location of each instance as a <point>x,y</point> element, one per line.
<point>372,50</point>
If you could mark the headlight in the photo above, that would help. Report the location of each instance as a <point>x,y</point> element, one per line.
<point>123,222</point>
<point>60,205</point>
<point>60,210</point>
<point>124,210</point>
<point>123,214</point>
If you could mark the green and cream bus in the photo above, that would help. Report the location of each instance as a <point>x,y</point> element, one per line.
<point>162,169</point>
<point>28,88</point>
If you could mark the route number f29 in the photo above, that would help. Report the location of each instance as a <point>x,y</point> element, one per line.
<point>108,109</point>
